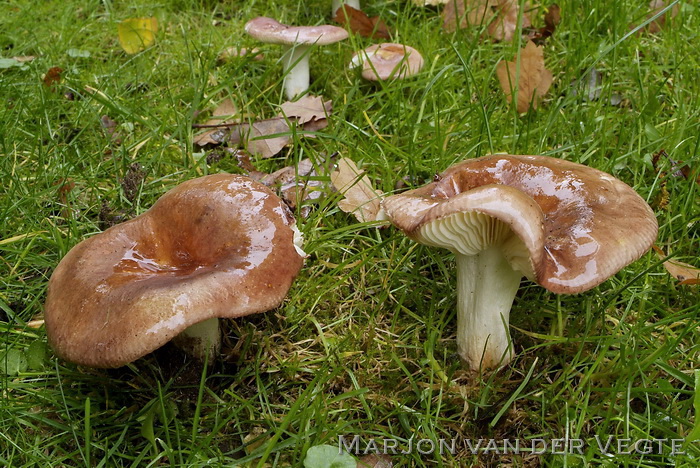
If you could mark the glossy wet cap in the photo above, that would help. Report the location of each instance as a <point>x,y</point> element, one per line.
<point>578,225</point>
<point>217,246</point>
<point>387,61</point>
<point>271,31</point>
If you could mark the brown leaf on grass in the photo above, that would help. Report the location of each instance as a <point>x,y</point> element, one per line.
<point>683,272</point>
<point>375,461</point>
<point>506,23</point>
<point>52,77</point>
<point>300,184</point>
<point>530,83</point>
<point>221,116</point>
<point>459,14</point>
<point>679,169</point>
<point>24,58</point>
<point>658,24</point>
<point>267,137</point>
<point>297,185</point>
<point>357,21</point>
<point>264,138</point>
<point>307,109</point>
<point>501,16</point>
<point>360,197</point>
<point>552,18</point>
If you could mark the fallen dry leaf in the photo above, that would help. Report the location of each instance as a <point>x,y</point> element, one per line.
<point>459,14</point>
<point>506,23</point>
<point>300,184</point>
<point>357,21</point>
<point>266,138</point>
<point>375,461</point>
<point>52,77</point>
<point>552,18</point>
<point>683,272</point>
<point>137,34</point>
<point>297,185</point>
<point>220,117</point>
<point>532,81</point>
<point>307,109</point>
<point>24,58</point>
<point>360,197</point>
<point>658,24</point>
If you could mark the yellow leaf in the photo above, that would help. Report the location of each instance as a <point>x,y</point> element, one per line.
<point>137,34</point>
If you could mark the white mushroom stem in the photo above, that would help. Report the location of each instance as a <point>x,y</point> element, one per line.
<point>296,70</point>
<point>486,287</point>
<point>201,340</point>
<point>338,3</point>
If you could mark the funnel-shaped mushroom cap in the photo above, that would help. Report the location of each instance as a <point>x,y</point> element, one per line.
<point>217,246</point>
<point>577,225</point>
<point>387,61</point>
<point>273,32</point>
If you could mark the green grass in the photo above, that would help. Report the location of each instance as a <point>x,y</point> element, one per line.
<point>364,344</point>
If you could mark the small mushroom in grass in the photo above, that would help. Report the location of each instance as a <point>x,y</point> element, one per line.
<point>297,40</point>
<point>566,226</point>
<point>220,246</point>
<point>387,61</point>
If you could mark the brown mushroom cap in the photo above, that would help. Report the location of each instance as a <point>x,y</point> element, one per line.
<point>273,32</point>
<point>217,246</point>
<point>388,61</point>
<point>590,224</point>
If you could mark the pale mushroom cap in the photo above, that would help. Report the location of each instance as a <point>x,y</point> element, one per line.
<point>589,225</point>
<point>217,246</point>
<point>388,61</point>
<point>273,32</point>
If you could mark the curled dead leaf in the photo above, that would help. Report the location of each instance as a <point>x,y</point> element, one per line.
<point>357,21</point>
<point>504,26</point>
<point>307,109</point>
<point>683,272</point>
<point>375,461</point>
<point>52,77</point>
<point>528,84</point>
<point>360,197</point>
<point>459,14</point>
<point>266,137</point>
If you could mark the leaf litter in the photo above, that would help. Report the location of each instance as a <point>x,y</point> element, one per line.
<point>358,22</point>
<point>266,137</point>
<point>527,84</point>
<point>360,197</point>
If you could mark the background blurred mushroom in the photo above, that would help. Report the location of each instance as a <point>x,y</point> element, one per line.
<point>220,246</point>
<point>297,40</point>
<point>566,226</point>
<point>387,61</point>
